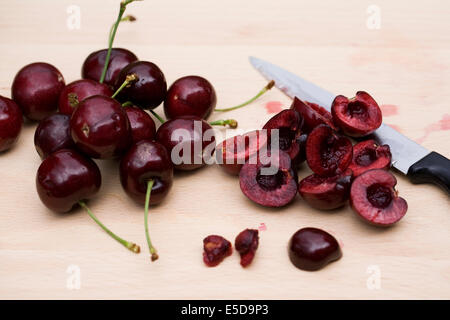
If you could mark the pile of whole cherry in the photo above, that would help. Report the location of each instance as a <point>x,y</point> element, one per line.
<point>102,116</point>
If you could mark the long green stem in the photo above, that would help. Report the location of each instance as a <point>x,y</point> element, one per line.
<point>130,78</point>
<point>157,116</point>
<point>229,122</point>
<point>129,245</point>
<point>154,255</point>
<point>112,35</point>
<point>126,18</point>
<point>260,93</point>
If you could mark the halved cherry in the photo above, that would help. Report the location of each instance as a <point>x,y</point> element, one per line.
<point>326,193</point>
<point>358,116</point>
<point>369,155</point>
<point>373,197</point>
<point>312,114</point>
<point>327,153</point>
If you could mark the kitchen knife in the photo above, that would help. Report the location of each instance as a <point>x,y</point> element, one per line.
<point>419,164</point>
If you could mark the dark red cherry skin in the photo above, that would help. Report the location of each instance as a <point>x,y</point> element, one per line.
<point>327,152</point>
<point>77,91</point>
<point>326,193</point>
<point>36,89</point>
<point>100,128</point>
<point>148,91</point>
<point>312,249</point>
<point>271,190</point>
<point>190,96</point>
<point>93,65</point>
<point>374,198</point>
<point>66,177</point>
<point>246,244</point>
<point>142,125</point>
<point>193,132</point>
<point>215,249</point>
<point>369,155</point>
<point>301,157</point>
<point>53,134</point>
<point>312,114</point>
<point>144,161</point>
<point>358,116</point>
<point>11,121</point>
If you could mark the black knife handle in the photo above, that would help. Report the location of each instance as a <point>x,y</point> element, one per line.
<point>433,168</point>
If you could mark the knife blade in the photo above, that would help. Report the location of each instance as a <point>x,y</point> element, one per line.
<point>407,156</point>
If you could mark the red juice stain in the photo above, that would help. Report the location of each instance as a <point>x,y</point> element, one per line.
<point>262,227</point>
<point>389,110</point>
<point>274,106</point>
<point>441,125</point>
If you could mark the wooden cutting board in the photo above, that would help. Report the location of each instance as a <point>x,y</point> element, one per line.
<point>404,64</point>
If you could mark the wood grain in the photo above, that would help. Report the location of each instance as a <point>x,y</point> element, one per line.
<point>405,63</point>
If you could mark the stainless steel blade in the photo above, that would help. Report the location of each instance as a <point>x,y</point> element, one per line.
<point>405,152</point>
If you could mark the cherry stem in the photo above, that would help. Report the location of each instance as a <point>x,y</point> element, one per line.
<point>130,78</point>
<point>260,93</point>
<point>129,18</point>
<point>127,104</point>
<point>154,255</point>
<point>112,35</point>
<point>129,245</point>
<point>157,116</point>
<point>230,122</point>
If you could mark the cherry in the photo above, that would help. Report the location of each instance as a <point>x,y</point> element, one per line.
<point>190,96</point>
<point>150,88</point>
<point>369,155</point>
<point>358,116</point>
<point>231,154</point>
<point>326,193</point>
<point>312,114</point>
<point>53,134</point>
<point>188,134</point>
<point>246,244</point>
<point>79,90</point>
<point>142,125</point>
<point>271,187</point>
<point>312,249</point>
<point>301,141</point>
<point>100,127</point>
<point>66,179</point>
<point>36,89</point>
<point>327,153</point>
<point>146,169</point>
<point>374,198</point>
<point>215,249</point>
<point>11,121</point>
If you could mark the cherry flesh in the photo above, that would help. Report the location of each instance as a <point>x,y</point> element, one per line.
<point>142,125</point>
<point>328,153</point>
<point>100,127</point>
<point>148,91</point>
<point>53,134</point>
<point>312,249</point>
<point>93,65</point>
<point>369,155</point>
<point>190,134</point>
<point>190,96</point>
<point>313,115</point>
<point>77,91</point>
<point>373,198</point>
<point>36,89</point>
<point>11,121</point>
<point>276,188</point>
<point>326,193</point>
<point>232,153</point>
<point>358,116</point>
<point>246,244</point>
<point>215,249</point>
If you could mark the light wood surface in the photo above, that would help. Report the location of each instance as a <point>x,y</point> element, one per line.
<point>405,65</point>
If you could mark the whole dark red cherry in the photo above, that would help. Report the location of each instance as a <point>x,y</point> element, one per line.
<point>77,91</point>
<point>100,128</point>
<point>93,65</point>
<point>11,121</point>
<point>53,134</point>
<point>142,125</point>
<point>148,91</point>
<point>191,134</point>
<point>312,249</point>
<point>36,89</point>
<point>190,96</point>
<point>144,161</point>
<point>66,177</point>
